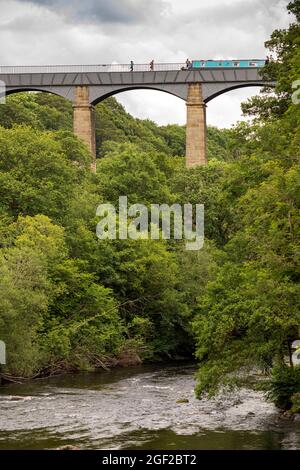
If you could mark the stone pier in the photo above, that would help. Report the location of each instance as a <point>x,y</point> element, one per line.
<point>195,127</point>
<point>84,120</point>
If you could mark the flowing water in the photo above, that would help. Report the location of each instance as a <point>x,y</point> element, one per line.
<point>135,408</point>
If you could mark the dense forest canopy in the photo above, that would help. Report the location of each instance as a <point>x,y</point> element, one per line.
<point>69,300</point>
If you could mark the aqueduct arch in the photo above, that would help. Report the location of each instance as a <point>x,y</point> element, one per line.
<point>87,85</point>
<point>84,121</point>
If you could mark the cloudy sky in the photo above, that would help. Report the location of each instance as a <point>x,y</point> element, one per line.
<point>39,32</point>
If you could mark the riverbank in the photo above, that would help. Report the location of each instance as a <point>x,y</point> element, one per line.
<point>127,358</point>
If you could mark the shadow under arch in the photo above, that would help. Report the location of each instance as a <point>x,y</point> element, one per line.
<point>137,87</point>
<point>239,86</point>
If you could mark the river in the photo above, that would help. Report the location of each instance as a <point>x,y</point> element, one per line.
<point>136,408</point>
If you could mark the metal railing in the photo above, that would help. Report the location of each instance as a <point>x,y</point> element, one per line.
<point>11,69</point>
<point>157,67</point>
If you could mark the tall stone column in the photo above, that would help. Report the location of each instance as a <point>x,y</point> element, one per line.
<point>84,120</point>
<point>195,127</point>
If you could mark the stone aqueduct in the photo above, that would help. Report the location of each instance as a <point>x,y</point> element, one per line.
<point>87,85</point>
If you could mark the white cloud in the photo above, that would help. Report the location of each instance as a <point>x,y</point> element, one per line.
<point>154,105</point>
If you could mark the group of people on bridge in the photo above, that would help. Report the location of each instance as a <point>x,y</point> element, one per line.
<point>151,65</point>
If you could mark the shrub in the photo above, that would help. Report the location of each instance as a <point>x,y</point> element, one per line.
<point>285,382</point>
